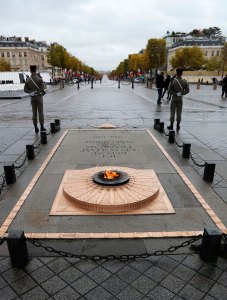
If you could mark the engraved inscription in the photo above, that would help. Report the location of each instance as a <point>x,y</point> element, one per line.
<point>114,146</point>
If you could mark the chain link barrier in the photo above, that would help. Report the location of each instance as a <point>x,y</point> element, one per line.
<point>197,164</point>
<point>121,257</point>
<point>180,146</point>
<point>23,162</point>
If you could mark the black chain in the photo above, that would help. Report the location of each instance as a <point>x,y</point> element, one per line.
<point>2,240</point>
<point>178,144</point>
<point>121,257</point>
<point>23,162</point>
<point>197,164</point>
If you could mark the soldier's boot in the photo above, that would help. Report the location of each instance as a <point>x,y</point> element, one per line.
<point>178,125</point>
<point>42,128</point>
<point>36,128</point>
<point>170,127</point>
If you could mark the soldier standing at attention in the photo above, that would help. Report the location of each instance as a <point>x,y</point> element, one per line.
<point>177,88</point>
<point>35,87</point>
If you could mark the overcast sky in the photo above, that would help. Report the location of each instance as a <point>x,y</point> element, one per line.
<point>102,33</point>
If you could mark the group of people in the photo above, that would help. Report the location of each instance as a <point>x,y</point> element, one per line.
<point>176,87</point>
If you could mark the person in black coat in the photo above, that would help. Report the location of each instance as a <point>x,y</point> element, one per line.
<point>160,83</point>
<point>224,86</point>
<point>166,85</point>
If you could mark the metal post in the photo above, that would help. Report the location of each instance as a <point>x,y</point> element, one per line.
<point>133,84</point>
<point>30,152</point>
<point>57,124</point>
<point>52,128</point>
<point>17,248</point>
<point>147,83</point>
<point>92,83</point>
<point>156,123</point>
<point>211,243</point>
<point>119,83</point>
<point>78,85</point>
<point>171,136</point>
<point>43,136</point>
<point>186,150</point>
<point>209,170</point>
<point>10,174</point>
<point>161,127</point>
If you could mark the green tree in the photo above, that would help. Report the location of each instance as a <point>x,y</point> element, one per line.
<point>4,65</point>
<point>224,58</point>
<point>212,31</point>
<point>189,58</point>
<point>213,63</point>
<point>156,53</point>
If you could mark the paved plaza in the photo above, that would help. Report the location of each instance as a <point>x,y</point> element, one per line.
<point>134,143</point>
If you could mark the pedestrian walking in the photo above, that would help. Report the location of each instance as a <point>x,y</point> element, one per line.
<point>160,86</point>
<point>166,85</point>
<point>34,86</point>
<point>177,88</point>
<point>224,86</point>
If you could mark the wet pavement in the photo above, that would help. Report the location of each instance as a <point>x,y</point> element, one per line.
<point>180,276</point>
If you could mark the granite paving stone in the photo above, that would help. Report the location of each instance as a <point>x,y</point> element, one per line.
<point>67,293</point>
<point>130,293</point>
<point>84,284</point>
<point>140,265</point>
<point>201,282</point>
<point>160,293</point>
<point>166,263</point>
<point>113,265</point>
<point>155,273</point>
<point>173,283</point>
<point>193,261</point>
<point>35,294</point>
<point>71,274</point>
<point>23,284</point>
<point>53,285</point>
<point>42,274</point>
<point>191,293</point>
<point>98,293</point>
<point>128,274</point>
<point>86,265</point>
<point>210,271</point>
<point>143,284</point>
<point>13,274</point>
<point>3,283</point>
<point>114,285</point>
<point>223,278</point>
<point>99,274</point>
<point>33,265</point>
<point>184,272</point>
<point>218,291</point>
<point>7,293</point>
<point>59,265</point>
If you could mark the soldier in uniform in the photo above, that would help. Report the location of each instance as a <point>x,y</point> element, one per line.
<point>35,87</point>
<point>177,88</point>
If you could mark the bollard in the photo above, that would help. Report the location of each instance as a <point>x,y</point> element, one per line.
<point>43,137</point>
<point>91,84</point>
<point>57,124</point>
<point>209,170</point>
<point>156,123</point>
<point>186,150</point>
<point>171,136</point>
<point>211,243</point>
<point>52,128</point>
<point>119,84</point>
<point>147,83</point>
<point>161,127</point>
<point>198,86</point>
<point>10,174</point>
<point>30,152</point>
<point>132,84</point>
<point>78,85</point>
<point>17,248</point>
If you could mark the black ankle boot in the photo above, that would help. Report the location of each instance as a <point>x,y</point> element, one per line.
<point>36,129</point>
<point>178,125</point>
<point>170,127</point>
<point>42,128</point>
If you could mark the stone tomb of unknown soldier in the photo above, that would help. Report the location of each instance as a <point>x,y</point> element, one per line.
<point>155,199</point>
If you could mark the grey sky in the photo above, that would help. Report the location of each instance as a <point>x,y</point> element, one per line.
<point>102,33</point>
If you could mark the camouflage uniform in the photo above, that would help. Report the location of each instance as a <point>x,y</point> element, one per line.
<point>36,101</point>
<point>177,102</point>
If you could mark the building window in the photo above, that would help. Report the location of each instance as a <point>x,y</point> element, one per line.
<point>2,54</point>
<point>8,54</point>
<point>20,54</point>
<point>25,54</point>
<point>218,53</point>
<point>205,53</point>
<point>212,53</point>
<point>13,54</point>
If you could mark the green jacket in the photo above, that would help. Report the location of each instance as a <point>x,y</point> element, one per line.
<point>178,85</point>
<point>31,86</point>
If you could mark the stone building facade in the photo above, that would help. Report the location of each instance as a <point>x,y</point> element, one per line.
<point>21,53</point>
